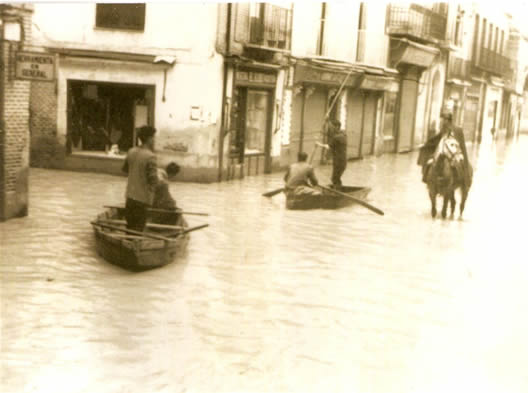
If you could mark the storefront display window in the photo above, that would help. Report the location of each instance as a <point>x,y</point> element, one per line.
<point>390,110</point>
<point>102,117</point>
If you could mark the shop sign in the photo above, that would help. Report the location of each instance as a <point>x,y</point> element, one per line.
<point>379,83</point>
<point>418,57</point>
<point>308,74</point>
<point>256,77</point>
<point>35,66</point>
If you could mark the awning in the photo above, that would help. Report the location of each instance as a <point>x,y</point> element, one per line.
<point>375,82</point>
<point>323,73</point>
<point>119,56</point>
<point>458,82</point>
<point>496,81</point>
<point>246,62</point>
<point>412,53</point>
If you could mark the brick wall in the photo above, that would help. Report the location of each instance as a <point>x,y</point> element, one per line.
<point>43,109</point>
<point>15,150</point>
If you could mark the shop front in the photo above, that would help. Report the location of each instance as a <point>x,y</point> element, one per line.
<point>103,117</point>
<point>316,92</point>
<point>411,60</point>
<point>101,98</point>
<point>365,114</point>
<point>253,120</point>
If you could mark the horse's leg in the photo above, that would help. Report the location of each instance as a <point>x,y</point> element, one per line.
<point>432,196</point>
<point>463,200</point>
<point>444,205</point>
<point>453,203</point>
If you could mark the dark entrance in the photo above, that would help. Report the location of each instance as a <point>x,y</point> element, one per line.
<point>251,142</point>
<point>101,115</point>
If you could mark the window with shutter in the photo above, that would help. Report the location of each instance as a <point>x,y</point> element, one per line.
<point>242,22</point>
<point>120,16</point>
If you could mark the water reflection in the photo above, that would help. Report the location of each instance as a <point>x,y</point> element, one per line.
<point>268,299</point>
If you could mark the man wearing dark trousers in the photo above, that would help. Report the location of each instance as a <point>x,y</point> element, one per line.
<point>337,145</point>
<point>140,164</point>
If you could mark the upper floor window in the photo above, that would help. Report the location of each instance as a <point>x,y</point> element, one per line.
<point>120,16</point>
<point>459,27</point>
<point>321,48</point>
<point>362,31</point>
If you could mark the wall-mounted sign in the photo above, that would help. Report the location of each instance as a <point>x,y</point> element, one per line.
<point>310,74</point>
<point>371,82</point>
<point>35,66</point>
<point>255,77</point>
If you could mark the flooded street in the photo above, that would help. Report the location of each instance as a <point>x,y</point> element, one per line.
<point>271,300</point>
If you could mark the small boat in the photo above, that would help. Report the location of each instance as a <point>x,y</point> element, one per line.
<point>326,200</point>
<point>157,246</point>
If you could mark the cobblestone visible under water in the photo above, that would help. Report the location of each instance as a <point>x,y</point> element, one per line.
<point>270,300</point>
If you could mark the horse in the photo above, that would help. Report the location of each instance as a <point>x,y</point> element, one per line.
<point>446,175</point>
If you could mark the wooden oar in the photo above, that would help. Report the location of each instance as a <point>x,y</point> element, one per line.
<point>195,228</point>
<point>149,225</point>
<point>274,192</point>
<point>132,232</point>
<point>358,201</point>
<point>161,210</point>
<point>187,230</point>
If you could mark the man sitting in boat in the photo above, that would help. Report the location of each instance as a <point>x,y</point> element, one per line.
<point>162,197</point>
<point>300,177</point>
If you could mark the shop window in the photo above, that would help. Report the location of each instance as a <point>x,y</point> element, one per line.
<point>250,119</point>
<point>103,117</point>
<point>120,16</point>
<point>390,112</point>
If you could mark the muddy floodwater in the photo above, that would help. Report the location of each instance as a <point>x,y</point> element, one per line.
<point>271,300</point>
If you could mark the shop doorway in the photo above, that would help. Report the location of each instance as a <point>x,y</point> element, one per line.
<point>106,115</point>
<point>470,118</point>
<point>251,142</point>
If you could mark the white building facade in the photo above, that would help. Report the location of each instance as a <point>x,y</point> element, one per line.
<point>121,66</point>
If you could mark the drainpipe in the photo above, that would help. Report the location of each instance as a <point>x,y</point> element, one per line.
<point>225,115</point>
<point>2,120</point>
<point>303,104</point>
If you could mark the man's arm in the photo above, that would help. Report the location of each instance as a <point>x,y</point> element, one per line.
<point>152,172</point>
<point>313,179</point>
<point>125,165</point>
<point>287,175</point>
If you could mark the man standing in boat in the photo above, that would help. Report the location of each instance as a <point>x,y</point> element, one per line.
<point>141,166</point>
<point>337,144</point>
<point>300,177</point>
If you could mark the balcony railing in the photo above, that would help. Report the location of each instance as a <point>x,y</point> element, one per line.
<point>416,21</point>
<point>493,62</point>
<point>263,25</point>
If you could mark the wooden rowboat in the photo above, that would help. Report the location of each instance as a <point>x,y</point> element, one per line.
<point>325,200</point>
<point>137,251</point>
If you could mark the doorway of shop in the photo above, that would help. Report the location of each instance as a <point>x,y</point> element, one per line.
<point>103,117</point>
<point>250,143</point>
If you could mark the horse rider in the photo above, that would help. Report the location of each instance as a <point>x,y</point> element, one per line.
<point>300,177</point>
<point>427,151</point>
